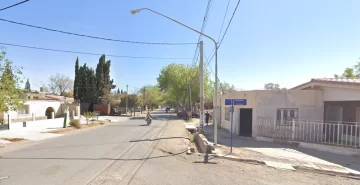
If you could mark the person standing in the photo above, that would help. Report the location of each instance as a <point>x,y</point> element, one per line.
<point>207,117</point>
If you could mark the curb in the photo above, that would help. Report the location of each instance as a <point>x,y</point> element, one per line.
<point>234,158</point>
<point>322,171</point>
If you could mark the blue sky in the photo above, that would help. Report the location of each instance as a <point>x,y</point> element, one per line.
<point>279,41</point>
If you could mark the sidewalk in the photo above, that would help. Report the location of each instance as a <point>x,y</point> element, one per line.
<point>35,130</point>
<point>247,148</point>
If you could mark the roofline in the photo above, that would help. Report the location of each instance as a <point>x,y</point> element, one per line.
<point>324,83</point>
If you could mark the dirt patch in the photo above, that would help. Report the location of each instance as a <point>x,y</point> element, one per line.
<point>15,139</point>
<point>175,139</point>
<point>60,130</point>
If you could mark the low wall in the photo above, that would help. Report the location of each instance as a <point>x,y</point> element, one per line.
<point>39,124</point>
<point>202,143</point>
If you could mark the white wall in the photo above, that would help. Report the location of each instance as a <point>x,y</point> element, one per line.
<point>265,104</point>
<point>341,94</point>
<point>39,108</point>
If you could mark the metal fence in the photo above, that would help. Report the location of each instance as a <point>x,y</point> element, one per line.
<point>346,134</point>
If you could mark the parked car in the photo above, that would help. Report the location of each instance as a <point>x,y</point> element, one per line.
<point>138,109</point>
<point>185,115</point>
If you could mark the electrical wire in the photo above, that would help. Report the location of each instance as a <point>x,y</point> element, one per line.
<point>14,5</point>
<point>222,24</point>
<point>237,5</point>
<point>196,54</point>
<point>97,54</point>
<point>94,37</point>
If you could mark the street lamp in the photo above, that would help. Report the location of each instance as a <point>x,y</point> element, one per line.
<point>216,66</point>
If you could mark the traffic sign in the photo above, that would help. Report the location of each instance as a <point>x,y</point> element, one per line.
<point>236,101</point>
<point>228,101</point>
<point>240,101</point>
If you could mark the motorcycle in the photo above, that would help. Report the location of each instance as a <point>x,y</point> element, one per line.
<point>148,121</point>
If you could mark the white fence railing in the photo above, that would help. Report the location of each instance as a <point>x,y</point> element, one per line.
<point>334,133</point>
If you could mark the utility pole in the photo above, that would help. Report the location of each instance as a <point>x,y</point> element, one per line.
<point>201,87</point>
<point>127,94</point>
<point>187,93</point>
<point>144,98</point>
<point>190,97</point>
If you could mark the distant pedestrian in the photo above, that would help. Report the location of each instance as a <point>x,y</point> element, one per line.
<point>207,117</point>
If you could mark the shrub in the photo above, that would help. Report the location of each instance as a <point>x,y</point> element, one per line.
<point>75,123</point>
<point>88,115</point>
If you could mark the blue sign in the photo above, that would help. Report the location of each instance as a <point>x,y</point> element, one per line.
<point>228,101</point>
<point>236,101</point>
<point>240,101</point>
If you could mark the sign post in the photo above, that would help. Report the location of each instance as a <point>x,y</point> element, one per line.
<point>231,123</point>
<point>233,102</point>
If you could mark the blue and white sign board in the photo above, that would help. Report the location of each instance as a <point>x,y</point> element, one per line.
<point>236,101</point>
<point>240,101</point>
<point>228,101</point>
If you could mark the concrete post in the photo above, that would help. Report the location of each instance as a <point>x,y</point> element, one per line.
<point>73,114</point>
<point>293,130</point>
<point>52,115</point>
<point>68,119</point>
<point>78,111</point>
<point>33,116</point>
<point>9,121</point>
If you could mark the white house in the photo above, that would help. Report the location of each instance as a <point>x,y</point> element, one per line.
<point>41,105</point>
<point>322,110</point>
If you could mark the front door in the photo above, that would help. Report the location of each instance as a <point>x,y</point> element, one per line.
<point>245,122</point>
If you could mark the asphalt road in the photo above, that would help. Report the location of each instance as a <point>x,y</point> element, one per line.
<point>128,153</point>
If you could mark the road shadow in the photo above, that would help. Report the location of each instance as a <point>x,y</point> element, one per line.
<point>352,162</point>
<point>140,140</point>
<point>90,159</point>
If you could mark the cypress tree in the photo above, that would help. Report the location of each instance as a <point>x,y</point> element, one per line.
<point>27,86</point>
<point>76,80</point>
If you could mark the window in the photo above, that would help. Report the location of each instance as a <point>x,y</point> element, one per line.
<point>227,113</point>
<point>28,97</point>
<point>23,110</point>
<point>357,114</point>
<point>284,116</point>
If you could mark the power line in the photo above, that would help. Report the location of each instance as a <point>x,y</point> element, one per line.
<point>237,5</point>
<point>222,24</point>
<point>14,5</point>
<point>196,55</point>
<point>97,54</point>
<point>94,37</point>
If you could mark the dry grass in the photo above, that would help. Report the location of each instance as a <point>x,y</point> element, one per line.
<point>60,130</point>
<point>15,139</point>
<point>68,129</point>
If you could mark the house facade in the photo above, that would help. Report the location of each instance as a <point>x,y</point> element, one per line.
<point>325,110</point>
<point>40,105</point>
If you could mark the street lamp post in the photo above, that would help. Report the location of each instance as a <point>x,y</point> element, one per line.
<point>216,66</point>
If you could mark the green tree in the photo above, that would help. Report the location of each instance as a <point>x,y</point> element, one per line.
<point>271,86</point>
<point>174,80</point>
<point>150,96</point>
<point>118,91</point>
<point>27,86</point>
<point>103,82</point>
<point>76,80</point>
<point>348,73</point>
<point>11,97</point>
<point>133,101</point>
<point>91,92</point>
